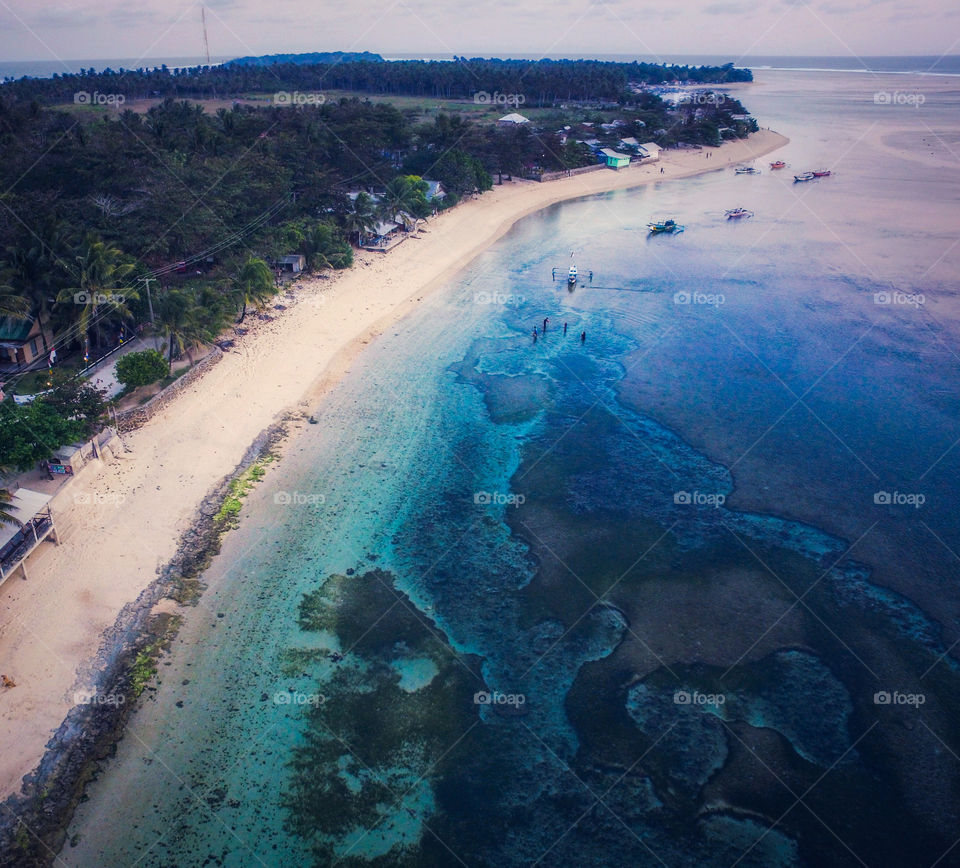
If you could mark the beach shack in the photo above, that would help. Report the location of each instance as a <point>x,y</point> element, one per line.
<point>385,233</point>
<point>24,342</point>
<point>650,151</point>
<point>293,262</point>
<point>614,159</point>
<point>32,523</point>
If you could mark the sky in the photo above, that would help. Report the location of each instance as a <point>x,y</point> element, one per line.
<point>91,29</point>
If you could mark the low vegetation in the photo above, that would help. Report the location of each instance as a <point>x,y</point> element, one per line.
<point>141,368</point>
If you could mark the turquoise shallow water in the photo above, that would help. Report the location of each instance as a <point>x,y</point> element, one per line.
<point>627,601</point>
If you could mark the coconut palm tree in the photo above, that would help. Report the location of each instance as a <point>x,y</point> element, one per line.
<point>101,270</point>
<point>6,498</point>
<point>183,322</point>
<point>322,248</point>
<point>34,263</point>
<point>404,193</point>
<point>13,304</point>
<point>361,218</point>
<point>254,285</point>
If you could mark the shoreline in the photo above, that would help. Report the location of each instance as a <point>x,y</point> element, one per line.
<point>56,626</point>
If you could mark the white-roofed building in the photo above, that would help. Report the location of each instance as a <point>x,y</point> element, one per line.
<point>650,150</point>
<point>512,120</point>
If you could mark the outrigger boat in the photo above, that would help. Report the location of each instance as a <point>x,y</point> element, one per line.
<point>822,173</point>
<point>670,226</point>
<point>804,176</point>
<point>573,275</point>
<point>736,213</point>
<point>779,164</point>
<point>746,170</point>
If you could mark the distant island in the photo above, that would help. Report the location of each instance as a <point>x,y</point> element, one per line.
<point>307,59</point>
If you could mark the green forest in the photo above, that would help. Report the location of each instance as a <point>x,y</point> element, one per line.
<point>543,82</point>
<point>174,217</point>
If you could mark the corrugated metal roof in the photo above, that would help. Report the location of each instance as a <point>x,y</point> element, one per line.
<point>15,329</point>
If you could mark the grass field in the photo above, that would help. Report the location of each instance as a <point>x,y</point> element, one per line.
<point>421,108</point>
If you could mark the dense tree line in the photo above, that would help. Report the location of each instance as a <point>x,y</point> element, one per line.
<point>176,217</point>
<point>542,82</point>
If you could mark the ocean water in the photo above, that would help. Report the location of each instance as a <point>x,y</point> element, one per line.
<point>947,64</point>
<point>681,593</point>
<point>15,69</point>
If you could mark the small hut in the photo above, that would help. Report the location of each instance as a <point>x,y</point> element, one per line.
<point>32,524</point>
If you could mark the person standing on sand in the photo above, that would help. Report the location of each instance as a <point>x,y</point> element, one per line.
<point>661,170</point>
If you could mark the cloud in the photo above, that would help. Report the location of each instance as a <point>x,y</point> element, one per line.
<point>171,28</point>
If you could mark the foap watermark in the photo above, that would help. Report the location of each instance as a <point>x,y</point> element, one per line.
<point>298,498</point>
<point>97,498</point>
<point>295,697</point>
<point>486,697</point>
<point>91,697</point>
<point>498,498</point>
<point>98,298</point>
<point>314,299</point>
<point>84,97</point>
<point>899,498</point>
<point>699,498</point>
<point>894,697</point>
<point>702,99</point>
<point>284,97</point>
<point>898,97</point>
<point>482,97</point>
<point>913,299</point>
<point>713,299</point>
<point>504,298</point>
<point>687,697</point>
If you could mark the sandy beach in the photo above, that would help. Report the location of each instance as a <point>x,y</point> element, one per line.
<point>127,526</point>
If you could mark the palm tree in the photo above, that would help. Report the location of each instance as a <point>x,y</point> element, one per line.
<point>404,194</point>
<point>101,270</point>
<point>32,265</point>
<point>13,304</point>
<point>362,217</point>
<point>254,285</point>
<point>182,319</point>
<point>6,498</point>
<point>322,248</point>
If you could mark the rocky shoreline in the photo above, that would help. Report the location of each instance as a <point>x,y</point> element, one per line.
<point>33,823</point>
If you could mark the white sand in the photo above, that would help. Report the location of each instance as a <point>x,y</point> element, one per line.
<point>129,525</point>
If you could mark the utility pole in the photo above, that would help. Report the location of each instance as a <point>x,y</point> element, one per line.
<point>147,281</point>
